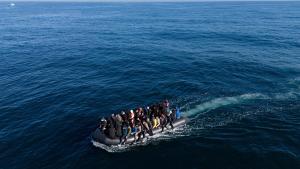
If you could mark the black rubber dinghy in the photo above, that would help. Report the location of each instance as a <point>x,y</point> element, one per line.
<point>100,137</point>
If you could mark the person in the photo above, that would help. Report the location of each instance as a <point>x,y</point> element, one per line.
<point>169,119</point>
<point>136,115</point>
<point>178,113</point>
<point>149,124</point>
<point>163,122</point>
<point>147,111</point>
<point>124,116</point>
<point>151,112</point>
<point>111,131</point>
<point>156,122</point>
<point>103,124</point>
<point>118,118</point>
<point>108,124</point>
<point>126,130</point>
<point>173,115</point>
<point>118,122</point>
<point>160,109</point>
<point>140,112</point>
<point>145,126</point>
<point>133,131</point>
<point>155,111</point>
<point>113,120</point>
<point>131,118</point>
<point>166,105</point>
<point>138,133</point>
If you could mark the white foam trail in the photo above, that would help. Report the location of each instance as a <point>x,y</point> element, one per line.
<point>110,149</point>
<point>288,95</point>
<point>224,101</point>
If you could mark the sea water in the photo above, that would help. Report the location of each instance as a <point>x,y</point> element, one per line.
<point>232,67</point>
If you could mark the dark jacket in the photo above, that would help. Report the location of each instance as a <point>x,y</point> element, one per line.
<point>118,128</point>
<point>111,132</point>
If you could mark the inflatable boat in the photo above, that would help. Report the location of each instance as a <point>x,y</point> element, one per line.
<point>100,137</point>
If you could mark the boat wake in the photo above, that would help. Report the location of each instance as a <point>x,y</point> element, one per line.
<point>219,102</point>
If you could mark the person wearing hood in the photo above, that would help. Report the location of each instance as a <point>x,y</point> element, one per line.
<point>103,124</point>
<point>118,122</point>
<point>124,116</point>
<point>113,119</point>
<point>111,131</point>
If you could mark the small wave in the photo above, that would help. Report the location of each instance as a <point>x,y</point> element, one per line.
<point>224,101</point>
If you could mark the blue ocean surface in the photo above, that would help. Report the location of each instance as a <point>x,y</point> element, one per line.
<point>233,67</point>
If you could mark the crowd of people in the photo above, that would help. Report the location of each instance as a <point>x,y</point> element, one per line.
<point>138,122</point>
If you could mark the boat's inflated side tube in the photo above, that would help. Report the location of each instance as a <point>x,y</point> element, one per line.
<point>100,137</point>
